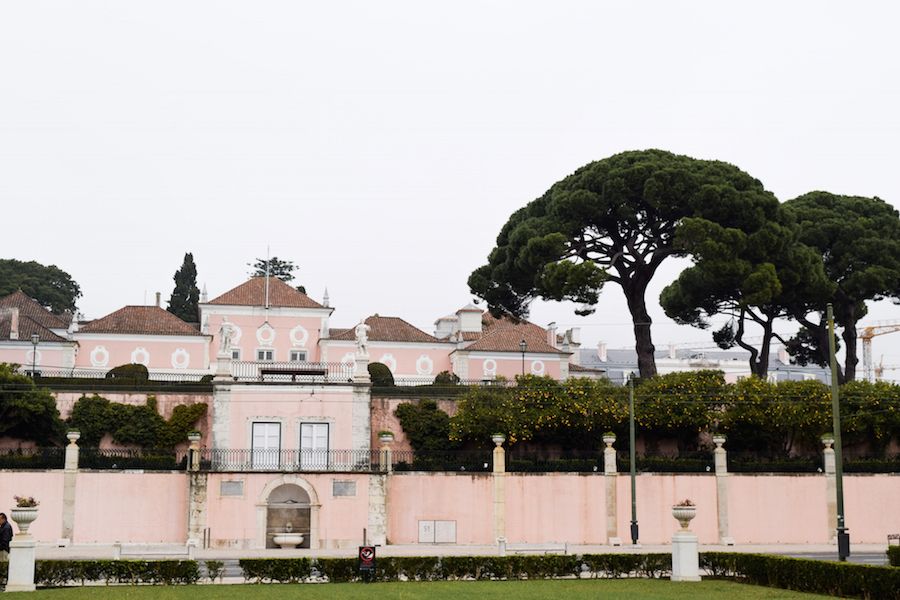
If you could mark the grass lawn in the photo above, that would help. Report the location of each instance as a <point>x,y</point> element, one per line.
<point>609,589</point>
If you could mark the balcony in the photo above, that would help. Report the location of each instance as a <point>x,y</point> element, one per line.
<point>291,372</point>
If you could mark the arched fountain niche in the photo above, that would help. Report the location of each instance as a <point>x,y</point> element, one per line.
<point>288,510</point>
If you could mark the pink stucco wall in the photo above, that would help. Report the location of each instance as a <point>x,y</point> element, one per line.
<point>656,493</point>
<point>555,507</point>
<point>466,499</point>
<point>49,355</point>
<point>129,506</point>
<point>511,365</point>
<point>47,488</point>
<point>404,360</point>
<point>289,406</point>
<point>281,323</point>
<point>166,401</point>
<point>120,348</point>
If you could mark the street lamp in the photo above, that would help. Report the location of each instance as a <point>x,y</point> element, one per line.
<point>35,340</point>
<point>523,346</point>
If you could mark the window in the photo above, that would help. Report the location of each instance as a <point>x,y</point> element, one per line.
<point>265,355</point>
<point>298,355</point>
<point>266,445</point>
<point>314,446</point>
<point>235,354</point>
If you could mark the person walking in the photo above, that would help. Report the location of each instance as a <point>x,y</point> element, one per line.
<point>6,534</point>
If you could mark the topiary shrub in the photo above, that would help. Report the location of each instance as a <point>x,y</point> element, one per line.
<point>893,553</point>
<point>133,372</point>
<point>426,427</point>
<point>446,378</point>
<point>380,374</point>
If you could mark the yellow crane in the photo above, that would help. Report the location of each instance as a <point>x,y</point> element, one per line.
<point>869,332</point>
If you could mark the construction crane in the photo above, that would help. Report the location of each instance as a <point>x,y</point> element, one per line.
<point>869,332</point>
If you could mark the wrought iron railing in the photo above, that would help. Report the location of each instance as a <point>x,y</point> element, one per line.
<point>291,372</point>
<point>461,461</point>
<point>163,459</point>
<point>217,459</point>
<point>32,458</point>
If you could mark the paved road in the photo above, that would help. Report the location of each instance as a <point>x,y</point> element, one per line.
<point>866,558</point>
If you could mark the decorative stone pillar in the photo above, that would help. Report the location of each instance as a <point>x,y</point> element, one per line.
<point>197,492</point>
<point>720,456</point>
<point>385,458</point>
<point>830,487</point>
<point>21,552</point>
<point>610,478</point>
<point>499,477</point>
<point>70,474</point>
<point>376,530</point>
<point>685,549</point>
<point>194,451</point>
<point>223,366</point>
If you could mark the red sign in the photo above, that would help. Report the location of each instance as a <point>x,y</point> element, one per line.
<point>367,559</point>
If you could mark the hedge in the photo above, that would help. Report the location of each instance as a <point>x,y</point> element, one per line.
<point>893,553</point>
<point>803,575</point>
<point>434,568</point>
<point>55,573</point>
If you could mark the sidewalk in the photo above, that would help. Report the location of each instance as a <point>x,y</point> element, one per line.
<point>161,551</point>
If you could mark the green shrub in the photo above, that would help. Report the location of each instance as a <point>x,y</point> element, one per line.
<point>282,570</point>
<point>55,573</point>
<point>133,371</point>
<point>446,378</point>
<point>802,575</point>
<point>893,553</point>
<point>338,570</point>
<point>426,427</point>
<point>380,374</point>
<point>215,569</point>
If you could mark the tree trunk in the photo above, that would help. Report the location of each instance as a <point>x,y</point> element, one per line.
<point>851,358</point>
<point>765,347</point>
<point>635,291</point>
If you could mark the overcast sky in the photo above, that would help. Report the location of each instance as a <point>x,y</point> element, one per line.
<point>382,145</point>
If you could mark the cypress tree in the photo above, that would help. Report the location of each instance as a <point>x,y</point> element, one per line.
<point>185,296</point>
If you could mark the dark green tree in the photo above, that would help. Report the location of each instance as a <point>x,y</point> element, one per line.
<point>27,412</point>
<point>612,220</point>
<point>185,297</point>
<point>859,240</point>
<point>282,269</point>
<point>51,286</point>
<point>753,274</point>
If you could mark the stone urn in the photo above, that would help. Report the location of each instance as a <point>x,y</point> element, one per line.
<point>385,437</point>
<point>24,517</point>
<point>498,438</point>
<point>684,514</point>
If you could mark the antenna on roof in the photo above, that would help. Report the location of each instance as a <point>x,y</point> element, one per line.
<point>268,260</point>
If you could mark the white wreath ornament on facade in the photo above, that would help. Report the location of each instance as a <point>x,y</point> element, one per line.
<point>489,367</point>
<point>140,356</point>
<point>537,367</point>
<point>181,358</point>
<point>348,359</point>
<point>99,356</point>
<point>389,361</point>
<point>265,335</point>
<point>299,335</point>
<point>424,365</point>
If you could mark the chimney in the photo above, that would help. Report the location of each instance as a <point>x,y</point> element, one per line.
<point>204,297</point>
<point>14,323</point>
<point>551,334</point>
<point>601,351</point>
<point>157,299</point>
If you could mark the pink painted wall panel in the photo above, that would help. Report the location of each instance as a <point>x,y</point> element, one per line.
<point>282,342</point>
<point>512,366</point>
<point>47,356</point>
<point>777,508</point>
<point>281,404</point>
<point>136,507</point>
<point>871,503</point>
<point>556,507</point>
<point>466,499</point>
<point>405,360</point>
<point>47,488</point>
<point>161,352</point>
<point>655,496</point>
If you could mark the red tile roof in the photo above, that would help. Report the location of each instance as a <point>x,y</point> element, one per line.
<point>29,307</point>
<point>505,334</point>
<point>386,329</point>
<point>27,327</point>
<point>140,320</point>
<point>253,293</point>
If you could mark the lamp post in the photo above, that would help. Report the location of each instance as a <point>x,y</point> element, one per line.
<point>634,522</point>
<point>35,340</point>
<point>523,346</point>
<point>843,538</point>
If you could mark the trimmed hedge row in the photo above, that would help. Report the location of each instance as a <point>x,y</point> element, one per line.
<point>893,553</point>
<point>803,575</point>
<point>55,573</point>
<point>434,568</point>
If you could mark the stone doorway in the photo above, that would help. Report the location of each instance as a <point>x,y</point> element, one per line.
<point>288,508</point>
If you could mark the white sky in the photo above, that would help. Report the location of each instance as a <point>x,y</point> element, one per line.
<point>382,145</point>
